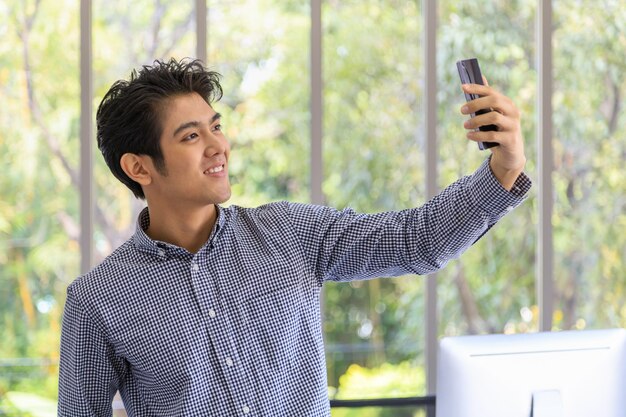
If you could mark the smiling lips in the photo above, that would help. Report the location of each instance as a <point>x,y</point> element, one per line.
<point>215,170</point>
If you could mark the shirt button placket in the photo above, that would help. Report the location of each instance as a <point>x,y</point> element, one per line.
<point>229,361</point>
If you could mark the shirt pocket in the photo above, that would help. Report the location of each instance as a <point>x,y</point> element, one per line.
<point>275,327</point>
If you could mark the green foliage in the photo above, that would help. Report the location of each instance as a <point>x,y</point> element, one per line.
<point>373,155</point>
<point>590,208</point>
<point>386,381</point>
<point>39,117</point>
<point>265,105</point>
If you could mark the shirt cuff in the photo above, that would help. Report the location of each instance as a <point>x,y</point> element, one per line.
<point>486,191</point>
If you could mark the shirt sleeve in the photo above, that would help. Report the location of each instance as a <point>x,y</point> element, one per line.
<point>345,245</point>
<point>89,370</point>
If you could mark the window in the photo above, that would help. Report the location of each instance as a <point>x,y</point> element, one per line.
<point>265,110</point>
<point>373,161</point>
<point>589,177</point>
<point>373,72</point>
<point>39,214</point>
<point>491,288</point>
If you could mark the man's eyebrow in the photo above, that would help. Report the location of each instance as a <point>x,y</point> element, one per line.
<point>185,126</point>
<point>194,123</point>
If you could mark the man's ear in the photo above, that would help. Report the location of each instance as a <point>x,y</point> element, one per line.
<point>137,168</point>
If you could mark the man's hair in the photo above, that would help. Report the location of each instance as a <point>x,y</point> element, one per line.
<point>129,117</point>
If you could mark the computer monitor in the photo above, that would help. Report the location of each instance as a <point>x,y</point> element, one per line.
<point>546,374</point>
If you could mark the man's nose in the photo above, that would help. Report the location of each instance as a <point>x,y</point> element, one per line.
<point>214,144</point>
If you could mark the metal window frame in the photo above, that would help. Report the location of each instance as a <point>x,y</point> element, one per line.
<point>545,199</point>
<point>202,46</point>
<point>429,15</point>
<point>316,104</point>
<point>86,140</point>
<point>545,250</point>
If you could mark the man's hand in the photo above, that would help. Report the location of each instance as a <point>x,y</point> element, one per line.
<point>508,159</point>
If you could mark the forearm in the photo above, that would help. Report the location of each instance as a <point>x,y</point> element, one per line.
<point>506,177</point>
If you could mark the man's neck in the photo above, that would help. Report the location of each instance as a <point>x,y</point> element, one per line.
<point>187,229</point>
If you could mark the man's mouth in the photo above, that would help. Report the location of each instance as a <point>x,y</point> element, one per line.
<point>214,170</point>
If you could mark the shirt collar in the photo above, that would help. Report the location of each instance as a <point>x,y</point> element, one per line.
<point>156,247</point>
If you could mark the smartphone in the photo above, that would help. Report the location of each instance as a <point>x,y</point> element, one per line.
<point>470,74</point>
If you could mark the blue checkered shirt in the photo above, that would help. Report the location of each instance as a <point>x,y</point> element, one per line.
<point>235,329</point>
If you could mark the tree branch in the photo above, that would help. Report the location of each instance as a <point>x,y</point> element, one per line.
<point>615,108</point>
<point>178,33</point>
<point>51,140</point>
<point>476,324</point>
<point>157,16</point>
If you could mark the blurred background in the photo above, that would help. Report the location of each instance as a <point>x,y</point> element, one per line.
<point>373,160</point>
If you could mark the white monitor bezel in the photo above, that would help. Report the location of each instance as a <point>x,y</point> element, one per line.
<point>496,375</point>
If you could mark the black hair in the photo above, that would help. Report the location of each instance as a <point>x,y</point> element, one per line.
<point>128,118</point>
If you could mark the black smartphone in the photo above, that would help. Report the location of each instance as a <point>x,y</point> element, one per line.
<point>470,74</point>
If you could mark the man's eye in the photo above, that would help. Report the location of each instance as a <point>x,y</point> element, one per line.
<point>217,127</point>
<point>190,137</point>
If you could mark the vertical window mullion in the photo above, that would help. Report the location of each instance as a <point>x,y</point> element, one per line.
<point>430,139</point>
<point>86,139</point>
<point>201,31</point>
<point>316,175</point>
<point>545,250</point>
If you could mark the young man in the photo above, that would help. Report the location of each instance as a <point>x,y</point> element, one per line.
<point>215,311</point>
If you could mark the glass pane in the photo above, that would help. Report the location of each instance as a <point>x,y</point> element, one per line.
<point>122,41</point>
<point>590,149</point>
<point>262,50</point>
<point>373,161</point>
<point>490,289</point>
<point>39,221</point>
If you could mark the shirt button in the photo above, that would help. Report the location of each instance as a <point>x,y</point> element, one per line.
<point>229,362</point>
<point>161,252</point>
<point>195,267</point>
<point>510,208</point>
<point>212,313</point>
<point>246,409</point>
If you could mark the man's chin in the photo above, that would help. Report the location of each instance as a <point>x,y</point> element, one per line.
<point>224,198</point>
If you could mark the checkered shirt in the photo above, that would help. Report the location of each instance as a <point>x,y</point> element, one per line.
<point>235,329</point>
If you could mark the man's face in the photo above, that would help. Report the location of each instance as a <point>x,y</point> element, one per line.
<point>196,155</point>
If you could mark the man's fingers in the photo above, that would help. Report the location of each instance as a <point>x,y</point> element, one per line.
<point>491,118</point>
<point>481,90</point>
<point>496,102</point>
